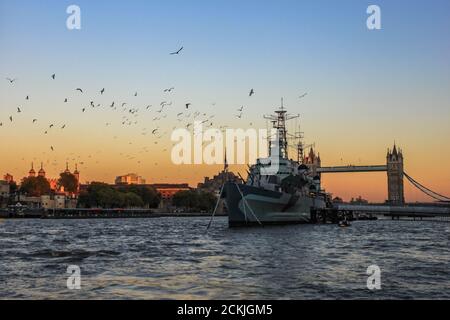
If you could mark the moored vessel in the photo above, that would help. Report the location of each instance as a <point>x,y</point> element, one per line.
<point>278,190</point>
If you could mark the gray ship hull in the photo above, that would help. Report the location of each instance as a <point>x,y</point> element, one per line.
<point>248,205</point>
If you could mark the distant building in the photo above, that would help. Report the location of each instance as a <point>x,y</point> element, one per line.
<point>8,178</point>
<point>168,190</point>
<point>312,161</point>
<point>29,202</point>
<point>215,184</point>
<point>53,181</point>
<point>338,200</point>
<point>4,193</point>
<point>394,161</point>
<point>48,202</point>
<point>129,179</point>
<point>359,201</point>
<point>57,201</point>
<point>4,188</point>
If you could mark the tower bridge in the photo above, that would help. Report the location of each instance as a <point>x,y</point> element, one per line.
<point>351,168</point>
<point>395,175</point>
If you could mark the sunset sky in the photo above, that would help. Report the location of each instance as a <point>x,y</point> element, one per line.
<point>366,89</point>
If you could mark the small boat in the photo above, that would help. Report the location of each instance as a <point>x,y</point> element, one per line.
<point>344,224</point>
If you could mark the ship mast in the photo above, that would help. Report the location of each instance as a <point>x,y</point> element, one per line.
<point>279,123</point>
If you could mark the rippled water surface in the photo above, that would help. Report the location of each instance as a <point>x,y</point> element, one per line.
<point>175,258</point>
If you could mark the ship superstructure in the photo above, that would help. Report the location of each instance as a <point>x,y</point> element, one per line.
<point>278,190</point>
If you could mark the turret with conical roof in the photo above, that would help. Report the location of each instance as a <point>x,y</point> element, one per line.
<point>41,172</point>
<point>76,173</point>
<point>32,173</point>
<point>67,168</point>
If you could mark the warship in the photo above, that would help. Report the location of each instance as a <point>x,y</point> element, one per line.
<point>278,190</point>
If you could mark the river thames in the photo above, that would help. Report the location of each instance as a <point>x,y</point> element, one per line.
<point>176,258</point>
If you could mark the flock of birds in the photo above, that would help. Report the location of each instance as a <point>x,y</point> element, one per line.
<point>131,115</point>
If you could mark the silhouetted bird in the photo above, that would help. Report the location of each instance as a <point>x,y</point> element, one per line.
<point>79,89</point>
<point>102,91</point>
<point>177,52</point>
<point>303,95</point>
<point>11,80</point>
<point>188,105</point>
<point>252,92</point>
<point>53,76</point>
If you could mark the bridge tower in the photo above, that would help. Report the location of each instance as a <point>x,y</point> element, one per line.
<point>394,160</point>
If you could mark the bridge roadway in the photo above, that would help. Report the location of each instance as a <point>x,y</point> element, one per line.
<point>350,168</point>
<point>409,211</point>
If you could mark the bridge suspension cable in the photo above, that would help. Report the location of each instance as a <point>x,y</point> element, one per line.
<point>426,190</point>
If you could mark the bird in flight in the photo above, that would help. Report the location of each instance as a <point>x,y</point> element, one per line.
<point>65,100</point>
<point>10,118</point>
<point>188,105</point>
<point>83,110</point>
<point>11,80</point>
<point>240,110</point>
<point>51,147</point>
<point>63,126</point>
<point>27,98</point>
<point>239,116</point>
<point>102,91</point>
<point>303,95</point>
<point>18,110</point>
<point>79,89</point>
<point>169,90</point>
<point>135,94</point>
<point>34,120</point>
<point>177,52</point>
<point>252,92</point>
<point>53,76</point>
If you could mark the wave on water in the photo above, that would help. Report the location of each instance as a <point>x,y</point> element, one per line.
<point>76,253</point>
